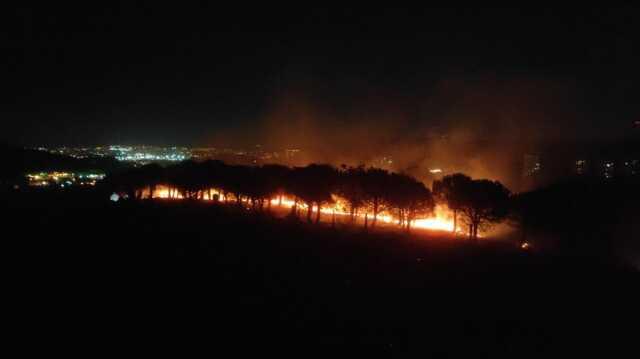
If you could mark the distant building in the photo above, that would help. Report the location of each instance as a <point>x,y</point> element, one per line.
<point>582,167</point>
<point>384,162</point>
<point>608,169</point>
<point>631,167</point>
<point>532,166</point>
<point>291,156</point>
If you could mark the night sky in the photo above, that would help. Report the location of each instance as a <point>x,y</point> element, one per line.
<point>174,75</point>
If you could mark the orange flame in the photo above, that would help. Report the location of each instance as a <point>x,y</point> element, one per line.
<point>440,220</point>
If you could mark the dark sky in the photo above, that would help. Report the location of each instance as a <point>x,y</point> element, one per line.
<point>174,75</point>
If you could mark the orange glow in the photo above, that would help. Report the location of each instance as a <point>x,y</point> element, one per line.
<point>441,219</point>
<point>163,192</point>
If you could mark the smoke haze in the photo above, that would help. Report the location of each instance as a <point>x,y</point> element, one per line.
<point>481,126</point>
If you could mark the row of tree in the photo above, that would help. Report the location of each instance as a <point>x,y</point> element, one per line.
<point>364,191</point>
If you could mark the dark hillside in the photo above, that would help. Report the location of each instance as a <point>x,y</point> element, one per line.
<point>223,279</point>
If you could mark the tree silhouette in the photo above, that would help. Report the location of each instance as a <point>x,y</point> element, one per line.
<point>237,182</point>
<point>275,177</point>
<point>375,187</point>
<point>351,188</point>
<point>484,203</point>
<point>152,175</point>
<point>410,198</point>
<point>257,189</point>
<point>420,205</point>
<point>190,179</point>
<point>294,185</point>
<point>479,203</point>
<point>315,184</point>
<point>213,172</point>
<point>449,190</point>
<point>135,181</point>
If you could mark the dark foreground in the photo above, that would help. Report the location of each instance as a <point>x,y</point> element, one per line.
<point>88,276</point>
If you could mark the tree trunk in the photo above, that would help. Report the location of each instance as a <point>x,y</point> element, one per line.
<point>318,214</point>
<point>280,201</point>
<point>475,231</point>
<point>366,220</point>
<point>455,220</point>
<point>309,209</point>
<point>375,212</point>
<point>353,213</point>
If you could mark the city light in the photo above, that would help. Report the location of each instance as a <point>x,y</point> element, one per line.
<point>64,179</point>
<point>143,154</point>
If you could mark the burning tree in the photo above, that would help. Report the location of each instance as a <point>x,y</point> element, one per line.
<point>214,176</point>
<point>411,199</point>
<point>450,190</point>
<point>275,177</point>
<point>314,186</point>
<point>190,179</point>
<point>479,203</point>
<point>257,187</point>
<point>237,181</point>
<point>376,185</point>
<point>136,181</point>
